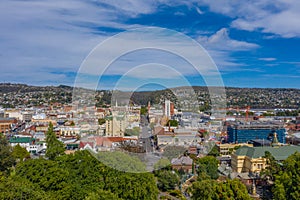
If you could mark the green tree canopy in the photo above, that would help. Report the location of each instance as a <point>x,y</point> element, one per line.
<point>214,151</point>
<point>121,161</point>
<point>287,179</point>
<point>54,147</point>
<point>272,166</point>
<point>208,165</point>
<point>19,153</point>
<point>172,123</point>
<point>162,163</point>
<point>6,158</point>
<point>171,152</point>
<point>101,121</point>
<point>167,180</point>
<point>144,110</point>
<point>213,190</point>
<point>82,176</point>
<point>20,188</point>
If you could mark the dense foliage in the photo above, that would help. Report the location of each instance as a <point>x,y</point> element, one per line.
<point>208,166</point>
<point>287,179</point>
<point>208,188</point>
<point>167,180</point>
<point>144,110</point>
<point>6,158</point>
<point>122,161</point>
<point>20,153</point>
<point>212,190</point>
<point>172,123</point>
<point>54,147</point>
<point>75,176</point>
<point>171,152</point>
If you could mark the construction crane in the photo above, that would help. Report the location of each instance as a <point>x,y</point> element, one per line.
<point>247,108</point>
<point>247,112</point>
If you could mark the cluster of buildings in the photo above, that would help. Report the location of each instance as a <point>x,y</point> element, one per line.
<point>28,126</point>
<point>241,142</point>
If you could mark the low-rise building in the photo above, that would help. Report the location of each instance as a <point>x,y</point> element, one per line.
<point>23,141</point>
<point>184,163</point>
<point>183,139</point>
<point>37,147</point>
<point>251,159</point>
<point>68,131</point>
<point>227,149</point>
<point>6,124</point>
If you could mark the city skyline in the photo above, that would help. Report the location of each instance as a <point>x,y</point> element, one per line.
<point>253,45</point>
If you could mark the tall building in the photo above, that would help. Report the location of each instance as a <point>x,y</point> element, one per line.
<point>240,133</point>
<point>116,125</point>
<point>168,108</point>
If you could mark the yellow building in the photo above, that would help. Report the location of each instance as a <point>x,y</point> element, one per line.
<point>228,149</point>
<point>115,125</point>
<point>251,159</point>
<point>6,123</point>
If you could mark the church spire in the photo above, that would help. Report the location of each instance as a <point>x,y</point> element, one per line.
<point>275,140</point>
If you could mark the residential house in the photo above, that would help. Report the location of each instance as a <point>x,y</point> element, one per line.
<point>184,163</point>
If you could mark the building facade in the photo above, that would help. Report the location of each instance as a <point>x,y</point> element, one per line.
<point>168,108</point>
<point>115,125</point>
<point>6,124</point>
<point>245,133</point>
<point>251,159</point>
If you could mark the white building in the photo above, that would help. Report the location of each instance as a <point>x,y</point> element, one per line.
<point>167,108</point>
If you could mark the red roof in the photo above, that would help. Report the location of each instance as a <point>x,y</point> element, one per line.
<point>107,141</point>
<point>83,144</point>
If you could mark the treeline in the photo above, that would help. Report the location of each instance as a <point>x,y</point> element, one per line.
<point>75,176</point>
<point>285,177</point>
<point>269,98</point>
<point>208,187</point>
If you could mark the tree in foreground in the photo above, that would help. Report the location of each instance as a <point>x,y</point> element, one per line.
<point>20,153</point>
<point>81,176</point>
<point>54,147</point>
<point>208,165</point>
<point>287,180</point>
<point>213,190</point>
<point>19,188</point>
<point>6,158</point>
<point>167,180</point>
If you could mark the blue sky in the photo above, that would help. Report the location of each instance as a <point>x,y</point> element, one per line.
<point>253,43</point>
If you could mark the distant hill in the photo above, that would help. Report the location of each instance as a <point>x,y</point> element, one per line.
<point>236,97</point>
<point>23,88</point>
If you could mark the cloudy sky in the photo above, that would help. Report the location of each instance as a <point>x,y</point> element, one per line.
<point>254,43</point>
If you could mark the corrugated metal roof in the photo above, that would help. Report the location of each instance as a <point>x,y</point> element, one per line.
<point>21,140</point>
<point>279,153</point>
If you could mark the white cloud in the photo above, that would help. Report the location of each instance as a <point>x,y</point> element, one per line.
<point>129,49</point>
<point>280,17</point>
<point>267,59</point>
<point>58,34</point>
<point>221,41</point>
<point>220,46</point>
<point>199,11</point>
<point>50,34</point>
<point>40,37</point>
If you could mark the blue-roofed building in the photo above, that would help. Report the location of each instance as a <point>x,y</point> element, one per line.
<point>241,133</point>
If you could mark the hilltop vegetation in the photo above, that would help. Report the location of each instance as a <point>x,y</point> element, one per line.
<point>12,95</point>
